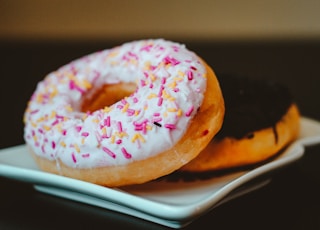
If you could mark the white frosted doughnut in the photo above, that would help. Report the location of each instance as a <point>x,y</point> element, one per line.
<point>170,85</point>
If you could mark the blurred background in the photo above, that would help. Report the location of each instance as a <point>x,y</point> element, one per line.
<point>268,39</point>
<point>188,20</point>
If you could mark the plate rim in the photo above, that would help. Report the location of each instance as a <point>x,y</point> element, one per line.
<point>173,215</point>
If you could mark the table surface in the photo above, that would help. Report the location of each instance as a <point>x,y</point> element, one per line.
<point>290,201</point>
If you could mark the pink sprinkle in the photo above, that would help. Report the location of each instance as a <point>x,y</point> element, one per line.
<point>130,112</point>
<point>123,101</point>
<point>160,101</point>
<point>53,145</point>
<point>78,128</point>
<point>119,141</point>
<point>40,131</point>
<point>85,134</point>
<point>64,132</point>
<point>192,67</point>
<point>163,80</point>
<point>190,110</point>
<point>107,121</point>
<point>170,126</point>
<point>74,158</point>
<point>135,100</point>
<point>160,91</point>
<point>143,82</point>
<point>73,85</point>
<point>156,114</point>
<point>119,106</point>
<point>85,155</point>
<point>109,152</point>
<point>151,85</point>
<point>125,153</point>
<point>34,111</point>
<point>146,48</point>
<point>156,119</point>
<point>176,90</point>
<point>59,117</point>
<point>190,75</point>
<point>169,60</point>
<point>55,122</point>
<point>146,74</point>
<point>119,124</point>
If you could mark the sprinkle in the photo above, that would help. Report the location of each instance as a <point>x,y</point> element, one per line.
<point>125,153</point>
<point>53,145</point>
<point>107,121</point>
<point>77,148</point>
<point>130,112</point>
<point>119,141</point>
<point>78,128</point>
<point>157,124</point>
<point>135,100</point>
<point>168,60</point>
<point>119,125</point>
<point>137,136</point>
<point>170,126</point>
<point>189,111</point>
<point>85,134</point>
<point>190,75</point>
<point>160,101</point>
<point>109,152</point>
<point>64,132</point>
<point>63,144</point>
<point>74,158</point>
<point>85,155</point>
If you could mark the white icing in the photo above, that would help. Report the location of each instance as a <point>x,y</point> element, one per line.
<point>171,82</point>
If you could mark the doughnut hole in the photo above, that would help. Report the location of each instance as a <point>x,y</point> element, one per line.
<point>106,95</point>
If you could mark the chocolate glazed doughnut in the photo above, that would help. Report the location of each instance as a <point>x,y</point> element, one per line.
<point>261,119</point>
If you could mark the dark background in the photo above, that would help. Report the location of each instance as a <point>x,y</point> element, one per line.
<point>291,201</point>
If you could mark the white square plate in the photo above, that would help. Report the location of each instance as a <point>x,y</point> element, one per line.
<point>173,204</point>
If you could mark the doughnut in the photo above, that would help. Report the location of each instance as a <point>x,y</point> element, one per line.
<point>125,115</point>
<point>261,119</point>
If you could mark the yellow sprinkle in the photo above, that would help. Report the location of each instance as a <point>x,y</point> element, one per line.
<point>34,125</point>
<point>204,75</point>
<point>39,98</point>
<point>136,112</point>
<point>137,136</point>
<point>152,95</point>
<point>68,108</point>
<point>35,138</point>
<point>179,113</point>
<point>172,85</point>
<point>95,120</point>
<point>40,119</point>
<point>152,77</point>
<point>107,109</point>
<point>149,127</point>
<point>46,127</point>
<point>180,73</point>
<point>165,114</point>
<point>147,65</point>
<point>86,84</point>
<point>82,140</point>
<point>77,148</point>
<point>104,130</point>
<point>63,144</point>
<point>172,110</point>
<point>125,108</point>
<point>113,139</point>
<point>53,114</point>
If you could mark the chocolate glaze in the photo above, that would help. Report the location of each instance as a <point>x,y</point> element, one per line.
<point>251,105</point>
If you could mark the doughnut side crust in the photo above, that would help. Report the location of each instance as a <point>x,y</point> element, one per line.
<point>230,152</point>
<point>206,123</point>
